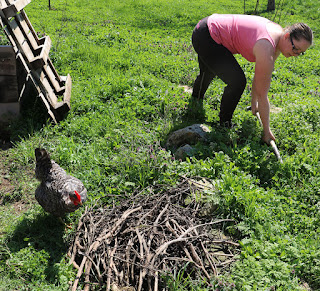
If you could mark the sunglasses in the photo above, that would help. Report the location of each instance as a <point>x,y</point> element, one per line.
<point>294,49</point>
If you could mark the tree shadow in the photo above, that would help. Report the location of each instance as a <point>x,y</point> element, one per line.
<point>42,232</point>
<point>33,116</point>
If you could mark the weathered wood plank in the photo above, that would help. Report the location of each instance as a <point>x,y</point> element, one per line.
<point>52,98</point>
<point>19,39</point>
<point>52,78</point>
<point>8,89</point>
<point>15,7</point>
<point>53,69</point>
<point>41,56</point>
<point>33,54</point>
<point>25,17</point>
<point>27,31</point>
<point>67,93</point>
<point>7,61</point>
<point>45,102</point>
<point>8,110</point>
<point>8,75</point>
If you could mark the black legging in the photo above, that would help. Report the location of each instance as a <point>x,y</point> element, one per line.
<point>216,60</point>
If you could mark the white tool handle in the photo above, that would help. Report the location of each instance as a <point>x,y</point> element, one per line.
<point>272,143</point>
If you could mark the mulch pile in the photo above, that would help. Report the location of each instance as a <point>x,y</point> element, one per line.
<point>151,232</point>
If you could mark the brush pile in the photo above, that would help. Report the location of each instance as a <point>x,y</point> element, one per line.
<point>148,234</point>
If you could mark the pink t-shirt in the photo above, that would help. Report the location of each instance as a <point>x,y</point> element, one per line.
<point>239,33</point>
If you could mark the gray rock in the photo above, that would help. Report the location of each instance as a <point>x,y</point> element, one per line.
<point>183,152</point>
<point>188,135</point>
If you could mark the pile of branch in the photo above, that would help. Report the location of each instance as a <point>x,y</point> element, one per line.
<point>133,243</point>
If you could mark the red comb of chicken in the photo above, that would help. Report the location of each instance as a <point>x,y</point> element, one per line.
<point>78,201</point>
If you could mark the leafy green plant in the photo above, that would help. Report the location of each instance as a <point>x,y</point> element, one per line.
<point>127,61</point>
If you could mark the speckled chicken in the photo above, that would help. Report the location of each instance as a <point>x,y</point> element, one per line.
<point>58,193</point>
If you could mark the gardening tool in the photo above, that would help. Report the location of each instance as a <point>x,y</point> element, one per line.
<point>272,143</point>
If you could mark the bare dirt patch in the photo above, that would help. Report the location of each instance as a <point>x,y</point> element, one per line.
<point>6,185</point>
<point>16,188</point>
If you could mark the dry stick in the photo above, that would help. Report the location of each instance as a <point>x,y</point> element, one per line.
<point>156,281</point>
<point>120,276</point>
<point>161,214</point>
<point>184,247</point>
<point>80,247</point>
<point>110,266</point>
<point>211,261</point>
<point>226,262</point>
<point>223,255</point>
<point>163,247</point>
<point>223,241</point>
<point>143,242</point>
<point>226,242</point>
<point>75,265</point>
<point>180,259</point>
<point>105,267</point>
<point>136,264</point>
<point>195,256</point>
<point>127,253</point>
<point>148,257</point>
<point>86,233</point>
<point>87,273</point>
<point>132,267</point>
<point>149,283</point>
<point>97,266</point>
<point>156,222</point>
<point>141,257</point>
<point>209,258</point>
<point>90,262</point>
<point>194,253</point>
<point>73,253</point>
<point>146,214</point>
<point>147,249</point>
<point>95,245</point>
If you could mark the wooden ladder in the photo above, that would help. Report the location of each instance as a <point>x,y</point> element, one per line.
<point>33,54</point>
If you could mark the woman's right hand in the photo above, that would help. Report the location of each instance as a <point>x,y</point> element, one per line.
<point>268,136</point>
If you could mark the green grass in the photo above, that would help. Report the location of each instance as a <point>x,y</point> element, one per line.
<point>126,59</point>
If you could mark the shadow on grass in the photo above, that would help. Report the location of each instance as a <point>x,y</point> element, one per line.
<point>33,116</point>
<point>45,233</point>
<point>241,144</point>
<point>245,148</point>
